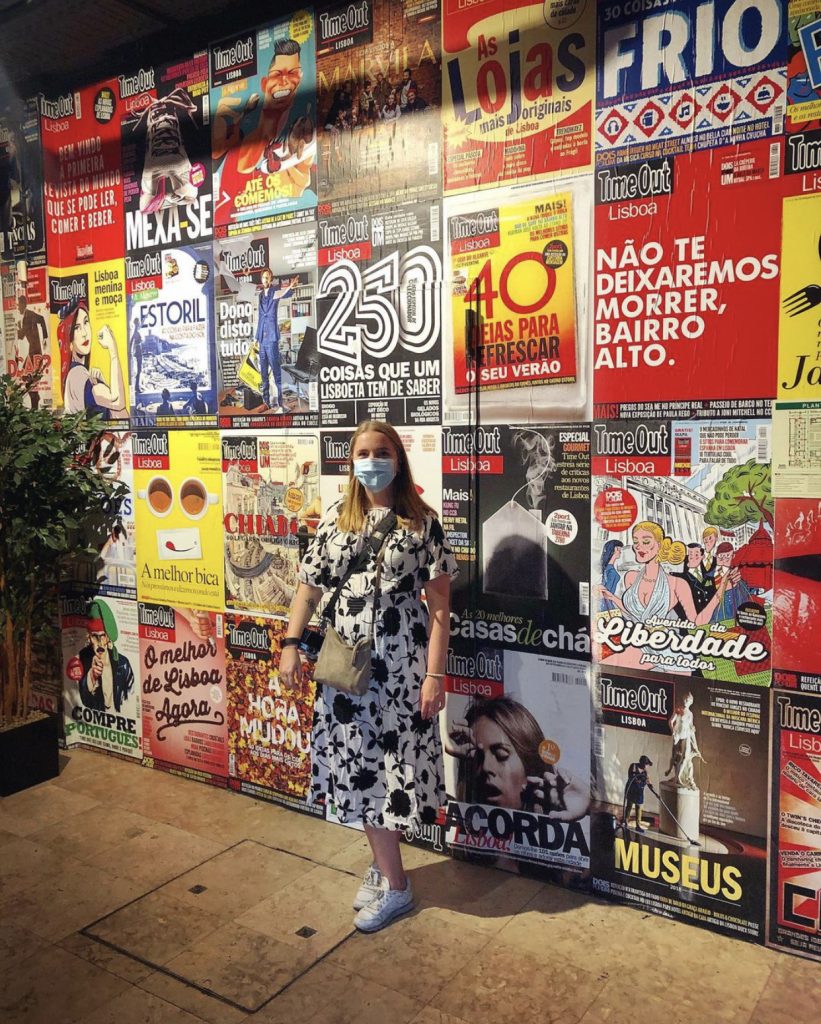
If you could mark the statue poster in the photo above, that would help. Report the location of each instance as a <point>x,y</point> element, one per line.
<point>680,806</point>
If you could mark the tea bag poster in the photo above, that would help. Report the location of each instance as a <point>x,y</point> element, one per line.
<point>184,698</point>
<point>795,810</point>
<point>263,131</point>
<point>379,309</point>
<point>803,125</point>
<point>518,80</point>
<point>514,265</point>
<point>688,77</point>
<point>516,512</point>
<point>22,232</point>
<point>797,594</point>
<point>685,277</point>
<point>687,764</point>
<point>799,344</point>
<point>269,722</point>
<point>178,511</point>
<point>423,447</point>
<point>82,171</point>
<point>111,570</point>
<point>171,337</point>
<point>28,340</point>
<point>266,329</point>
<point>101,673</point>
<point>682,548</point>
<point>166,146</point>
<point>88,328</point>
<point>517,765</point>
<point>379,97</point>
<point>271,506</point>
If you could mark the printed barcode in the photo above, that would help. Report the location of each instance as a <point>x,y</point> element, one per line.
<point>313,396</point>
<point>434,223</point>
<point>456,416</point>
<point>433,158</point>
<point>78,110</point>
<point>775,159</point>
<point>598,742</point>
<point>778,121</point>
<point>206,109</point>
<point>584,599</point>
<point>763,443</point>
<point>564,677</point>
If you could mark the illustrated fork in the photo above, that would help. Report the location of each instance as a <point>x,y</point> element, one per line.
<point>802,300</point>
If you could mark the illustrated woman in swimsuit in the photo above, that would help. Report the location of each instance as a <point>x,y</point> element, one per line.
<point>651,592</point>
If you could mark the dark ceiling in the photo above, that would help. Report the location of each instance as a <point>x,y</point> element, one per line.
<point>46,44</point>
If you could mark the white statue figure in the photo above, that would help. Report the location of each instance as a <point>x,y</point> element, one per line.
<point>685,746</point>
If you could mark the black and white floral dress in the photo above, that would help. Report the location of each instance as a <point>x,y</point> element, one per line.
<point>375,755</point>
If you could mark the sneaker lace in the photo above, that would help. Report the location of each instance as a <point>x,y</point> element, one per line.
<point>163,130</point>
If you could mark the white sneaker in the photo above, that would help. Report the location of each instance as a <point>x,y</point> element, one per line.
<point>371,885</point>
<point>386,906</point>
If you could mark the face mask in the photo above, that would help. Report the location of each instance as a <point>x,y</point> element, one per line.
<point>375,474</point>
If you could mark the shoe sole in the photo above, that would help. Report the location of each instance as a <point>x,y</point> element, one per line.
<point>384,924</point>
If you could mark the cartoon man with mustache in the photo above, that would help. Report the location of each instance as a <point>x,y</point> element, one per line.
<point>107,675</point>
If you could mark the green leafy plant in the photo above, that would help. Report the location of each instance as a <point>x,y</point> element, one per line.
<point>54,507</point>
<point>743,495</point>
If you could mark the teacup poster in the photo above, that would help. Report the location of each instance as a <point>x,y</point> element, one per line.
<point>178,510</point>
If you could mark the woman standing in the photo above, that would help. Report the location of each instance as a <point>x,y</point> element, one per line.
<point>380,755</point>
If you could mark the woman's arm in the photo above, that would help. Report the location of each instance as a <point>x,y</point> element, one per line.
<point>305,603</point>
<point>112,397</point>
<point>437,594</point>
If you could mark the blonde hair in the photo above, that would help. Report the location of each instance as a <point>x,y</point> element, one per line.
<point>409,507</point>
<point>709,531</point>
<point>671,551</point>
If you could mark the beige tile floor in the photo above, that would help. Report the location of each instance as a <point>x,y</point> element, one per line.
<point>132,897</point>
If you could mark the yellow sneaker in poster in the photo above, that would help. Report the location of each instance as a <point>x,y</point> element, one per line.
<point>88,321</point>
<point>178,510</point>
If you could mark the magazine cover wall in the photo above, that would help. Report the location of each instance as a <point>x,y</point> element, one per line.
<point>266,327</point>
<point>171,337</point>
<point>166,147</point>
<point>516,512</point>
<point>184,700</point>
<point>379,90</point>
<point>690,842</point>
<point>25,329</point>
<point>517,765</point>
<point>795,824</point>
<point>682,548</point>
<point>263,130</point>
<point>271,507</point>
<point>82,171</point>
<point>797,594</point>
<point>101,673</point>
<point>269,721</point>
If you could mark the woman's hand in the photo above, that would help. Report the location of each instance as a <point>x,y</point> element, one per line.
<point>105,337</point>
<point>290,666</point>
<point>431,697</point>
<point>541,793</point>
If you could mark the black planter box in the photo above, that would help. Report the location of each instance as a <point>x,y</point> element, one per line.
<point>28,754</point>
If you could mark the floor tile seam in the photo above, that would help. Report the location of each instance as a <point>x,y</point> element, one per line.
<point>156,968</point>
<point>307,970</point>
<point>156,888</point>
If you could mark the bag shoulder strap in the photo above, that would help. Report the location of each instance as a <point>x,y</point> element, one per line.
<point>375,543</point>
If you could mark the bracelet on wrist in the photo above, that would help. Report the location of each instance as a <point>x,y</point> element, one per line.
<point>290,641</point>
<point>435,675</point>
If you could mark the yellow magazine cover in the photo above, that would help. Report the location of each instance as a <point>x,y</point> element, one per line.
<point>88,320</point>
<point>513,266</point>
<point>178,511</point>
<point>799,341</point>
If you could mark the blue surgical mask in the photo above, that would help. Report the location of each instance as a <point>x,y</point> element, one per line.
<point>375,474</point>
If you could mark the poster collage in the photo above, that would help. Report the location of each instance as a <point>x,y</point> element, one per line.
<point>572,252</point>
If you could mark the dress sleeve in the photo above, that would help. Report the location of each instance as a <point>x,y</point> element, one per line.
<point>440,559</point>
<point>315,569</point>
